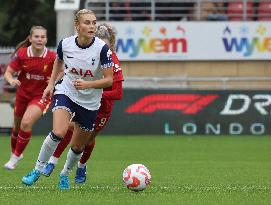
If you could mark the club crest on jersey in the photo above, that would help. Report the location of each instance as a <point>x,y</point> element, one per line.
<point>81,72</point>
<point>45,67</point>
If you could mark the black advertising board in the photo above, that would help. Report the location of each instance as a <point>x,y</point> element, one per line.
<point>191,112</point>
<point>185,112</point>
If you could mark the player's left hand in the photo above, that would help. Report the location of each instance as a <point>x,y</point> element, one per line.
<point>80,84</point>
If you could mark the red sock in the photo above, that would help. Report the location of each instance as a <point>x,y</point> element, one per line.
<point>13,140</point>
<point>63,144</point>
<point>87,152</point>
<point>22,141</point>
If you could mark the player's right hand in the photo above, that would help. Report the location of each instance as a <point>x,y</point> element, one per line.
<point>14,82</point>
<point>47,93</point>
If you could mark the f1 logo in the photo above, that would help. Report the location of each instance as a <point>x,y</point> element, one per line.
<point>189,104</point>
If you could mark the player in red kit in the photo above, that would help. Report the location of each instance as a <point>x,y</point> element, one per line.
<point>107,34</point>
<point>34,63</point>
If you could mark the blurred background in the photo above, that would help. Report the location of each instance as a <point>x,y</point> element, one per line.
<point>191,67</point>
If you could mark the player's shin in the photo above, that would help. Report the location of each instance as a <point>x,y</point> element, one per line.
<point>47,149</point>
<point>72,159</point>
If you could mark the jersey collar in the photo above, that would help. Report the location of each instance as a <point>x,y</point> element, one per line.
<point>84,47</point>
<point>30,52</point>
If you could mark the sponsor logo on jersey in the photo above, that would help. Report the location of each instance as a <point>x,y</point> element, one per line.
<point>34,77</point>
<point>81,72</point>
<point>45,67</point>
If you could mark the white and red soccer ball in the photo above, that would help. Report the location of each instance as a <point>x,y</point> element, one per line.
<point>136,177</point>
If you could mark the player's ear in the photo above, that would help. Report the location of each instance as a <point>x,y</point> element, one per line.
<point>29,38</point>
<point>76,27</point>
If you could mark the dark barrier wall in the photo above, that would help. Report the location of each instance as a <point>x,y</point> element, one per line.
<point>177,112</point>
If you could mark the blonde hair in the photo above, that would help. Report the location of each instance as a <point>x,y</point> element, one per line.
<point>26,42</point>
<point>80,13</point>
<point>104,31</point>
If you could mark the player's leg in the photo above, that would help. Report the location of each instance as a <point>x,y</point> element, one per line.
<point>85,120</point>
<point>19,110</point>
<point>61,116</point>
<point>31,115</point>
<point>78,142</point>
<point>15,131</point>
<point>50,166</point>
<point>81,172</point>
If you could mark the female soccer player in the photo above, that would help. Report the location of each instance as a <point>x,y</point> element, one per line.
<point>107,34</point>
<point>34,63</point>
<point>88,69</point>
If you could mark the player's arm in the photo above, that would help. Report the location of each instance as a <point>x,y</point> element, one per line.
<point>56,72</point>
<point>115,93</point>
<point>9,77</point>
<point>57,68</point>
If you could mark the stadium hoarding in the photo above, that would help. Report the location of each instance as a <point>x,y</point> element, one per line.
<point>7,96</point>
<point>184,112</point>
<point>191,112</point>
<point>178,41</point>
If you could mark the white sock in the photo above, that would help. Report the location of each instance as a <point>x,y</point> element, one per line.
<point>53,160</point>
<point>72,159</point>
<point>47,149</point>
<point>80,165</point>
<point>14,159</point>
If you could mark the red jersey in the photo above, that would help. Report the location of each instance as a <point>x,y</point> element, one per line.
<point>114,92</point>
<point>117,72</point>
<point>34,72</point>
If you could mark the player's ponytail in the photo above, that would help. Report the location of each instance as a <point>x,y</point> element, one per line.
<point>105,31</point>
<point>26,42</point>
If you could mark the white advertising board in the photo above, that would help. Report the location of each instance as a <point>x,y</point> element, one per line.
<point>160,41</point>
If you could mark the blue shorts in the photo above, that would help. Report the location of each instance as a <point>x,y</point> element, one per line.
<point>85,118</point>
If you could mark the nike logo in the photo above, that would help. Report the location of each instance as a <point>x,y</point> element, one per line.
<point>69,57</point>
<point>25,66</point>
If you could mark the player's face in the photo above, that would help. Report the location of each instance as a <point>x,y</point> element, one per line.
<point>87,26</point>
<point>38,39</point>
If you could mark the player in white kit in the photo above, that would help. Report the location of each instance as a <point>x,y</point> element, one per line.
<point>87,69</point>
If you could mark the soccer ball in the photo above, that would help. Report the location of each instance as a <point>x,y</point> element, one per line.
<point>136,177</point>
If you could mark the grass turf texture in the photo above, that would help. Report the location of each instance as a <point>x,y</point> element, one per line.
<point>185,170</point>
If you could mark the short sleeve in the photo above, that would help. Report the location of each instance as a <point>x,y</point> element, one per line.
<point>15,63</point>
<point>59,51</point>
<point>106,57</point>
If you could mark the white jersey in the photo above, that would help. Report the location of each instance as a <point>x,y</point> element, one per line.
<point>83,63</point>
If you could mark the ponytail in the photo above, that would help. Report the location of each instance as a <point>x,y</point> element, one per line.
<point>104,31</point>
<point>24,43</point>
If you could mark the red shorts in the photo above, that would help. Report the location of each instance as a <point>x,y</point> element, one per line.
<point>103,115</point>
<point>22,103</point>
<point>100,122</point>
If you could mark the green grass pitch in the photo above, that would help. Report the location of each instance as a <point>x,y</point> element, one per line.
<point>185,170</point>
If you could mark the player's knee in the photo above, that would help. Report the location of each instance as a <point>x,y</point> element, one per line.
<point>60,132</point>
<point>71,126</point>
<point>77,148</point>
<point>26,125</point>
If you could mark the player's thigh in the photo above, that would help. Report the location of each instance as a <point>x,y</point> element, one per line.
<point>80,137</point>
<point>20,106</point>
<point>61,119</point>
<point>17,123</point>
<point>31,115</point>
